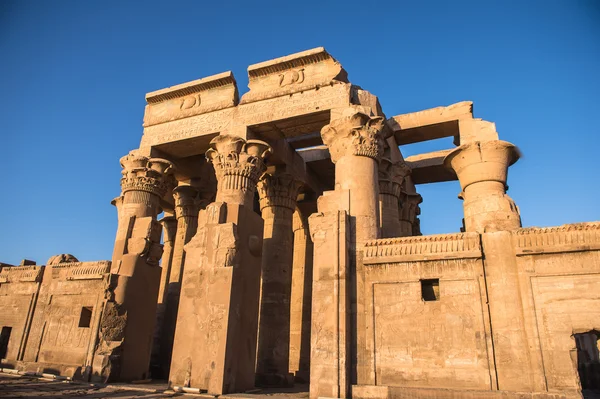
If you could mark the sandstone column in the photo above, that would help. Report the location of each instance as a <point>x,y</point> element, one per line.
<point>278,192</point>
<point>169,224</point>
<point>482,168</point>
<point>301,296</point>
<point>391,176</point>
<point>127,326</point>
<point>186,213</point>
<point>216,335</point>
<point>356,143</point>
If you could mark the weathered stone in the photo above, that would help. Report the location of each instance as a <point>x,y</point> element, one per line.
<point>496,311</point>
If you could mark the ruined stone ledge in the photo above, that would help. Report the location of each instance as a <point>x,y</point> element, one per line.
<point>195,86</point>
<point>297,72</point>
<point>422,248</point>
<point>192,98</point>
<point>16,274</point>
<point>566,238</point>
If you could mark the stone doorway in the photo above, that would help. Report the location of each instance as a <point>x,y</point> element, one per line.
<point>4,338</point>
<point>588,360</point>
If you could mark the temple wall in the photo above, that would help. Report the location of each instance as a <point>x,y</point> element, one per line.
<point>543,286</point>
<point>66,321</point>
<point>440,341</point>
<point>18,294</point>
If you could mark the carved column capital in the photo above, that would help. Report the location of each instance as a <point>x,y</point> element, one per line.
<point>169,224</point>
<point>409,208</point>
<point>482,169</point>
<point>186,201</point>
<point>278,189</point>
<point>152,175</point>
<point>391,176</point>
<point>358,134</point>
<point>238,165</point>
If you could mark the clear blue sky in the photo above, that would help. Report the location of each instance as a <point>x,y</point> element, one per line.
<point>74,75</point>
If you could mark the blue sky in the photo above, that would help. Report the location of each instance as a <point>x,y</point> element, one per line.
<point>74,76</point>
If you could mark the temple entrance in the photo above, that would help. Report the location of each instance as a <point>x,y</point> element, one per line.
<point>588,360</point>
<point>4,338</point>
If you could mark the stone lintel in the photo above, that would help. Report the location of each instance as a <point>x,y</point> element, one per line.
<point>192,98</point>
<point>293,73</point>
<point>429,167</point>
<point>313,154</point>
<point>430,124</point>
<point>173,137</point>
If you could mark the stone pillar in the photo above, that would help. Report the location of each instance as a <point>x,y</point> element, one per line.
<point>127,326</point>
<point>278,192</point>
<point>482,169</point>
<point>169,224</point>
<point>409,209</point>
<point>391,176</point>
<point>186,213</point>
<point>300,307</point>
<point>216,335</point>
<point>356,144</point>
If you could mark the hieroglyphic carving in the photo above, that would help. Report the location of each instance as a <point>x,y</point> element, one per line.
<point>308,102</point>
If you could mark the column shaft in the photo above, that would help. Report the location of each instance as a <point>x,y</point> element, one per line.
<point>186,211</point>
<point>301,296</point>
<point>278,193</point>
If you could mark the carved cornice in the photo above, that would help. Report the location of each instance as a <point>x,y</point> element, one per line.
<point>278,189</point>
<point>422,248</point>
<point>566,238</point>
<point>19,274</point>
<point>81,270</point>
<point>358,134</point>
<point>152,175</point>
<point>238,163</point>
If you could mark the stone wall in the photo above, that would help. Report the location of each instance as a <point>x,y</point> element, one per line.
<point>476,312</point>
<point>19,286</point>
<point>65,323</point>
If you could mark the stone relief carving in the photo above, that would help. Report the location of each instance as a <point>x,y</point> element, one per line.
<point>291,77</point>
<point>190,101</point>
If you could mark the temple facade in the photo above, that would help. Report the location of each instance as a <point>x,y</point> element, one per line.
<point>291,251</point>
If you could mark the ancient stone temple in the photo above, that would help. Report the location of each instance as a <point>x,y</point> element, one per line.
<point>292,252</point>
